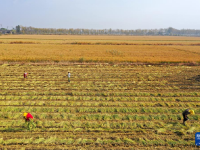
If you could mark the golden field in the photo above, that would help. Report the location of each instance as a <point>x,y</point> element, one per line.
<point>73,48</point>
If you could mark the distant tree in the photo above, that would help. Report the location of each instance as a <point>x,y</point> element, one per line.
<point>18,29</point>
<point>3,29</point>
<point>170,30</point>
<point>154,32</point>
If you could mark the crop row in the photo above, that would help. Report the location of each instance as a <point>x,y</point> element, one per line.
<point>96,104</point>
<point>78,72</point>
<point>81,67</point>
<point>83,141</point>
<point>96,89</point>
<point>92,83</point>
<point>117,88</point>
<point>93,89</point>
<point>123,110</point>
<point>106,89</point>
<point>148,134</point>
<point>104,94</point>
<point>96,77</point>
<point>81,82</point>
<point>88,132</point>
<point>155,126</point>
<point>99,116</point>
<point>99,99</point>
<point>72,125</point>
<point>83,78</point>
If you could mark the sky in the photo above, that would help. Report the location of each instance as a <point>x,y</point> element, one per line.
<point>101,14</point>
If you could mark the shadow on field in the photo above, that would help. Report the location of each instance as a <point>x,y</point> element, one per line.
<point>173,123</point>
<point>177,128</point>
<point>197,78</point>
<point>13,129</point>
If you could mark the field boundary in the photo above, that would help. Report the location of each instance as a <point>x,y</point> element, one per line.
<point>67,63</point>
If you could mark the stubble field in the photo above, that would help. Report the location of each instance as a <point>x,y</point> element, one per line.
<point>114,105</point>
<point>103,107</point>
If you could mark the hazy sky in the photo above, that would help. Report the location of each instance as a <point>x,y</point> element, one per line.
<point>101,14</point>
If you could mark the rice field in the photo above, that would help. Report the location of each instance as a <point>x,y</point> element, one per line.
<point>126,92</point>
<point>105,106</point>
<point>111,49</point>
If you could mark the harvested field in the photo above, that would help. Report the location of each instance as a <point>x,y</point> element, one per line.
<point>103,107</point>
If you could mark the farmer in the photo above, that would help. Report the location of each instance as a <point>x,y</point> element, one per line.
<point>27,117</point>
<point>25,74</point>
<point>69,76</point>
<point>29,124</point>
<point>185,113</point>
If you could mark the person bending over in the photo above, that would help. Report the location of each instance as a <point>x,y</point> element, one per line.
<point>185,113</point>
<point>27,117</point>
<point>25,74</point>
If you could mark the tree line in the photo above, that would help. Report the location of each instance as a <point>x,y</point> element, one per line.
<point>164,32</point>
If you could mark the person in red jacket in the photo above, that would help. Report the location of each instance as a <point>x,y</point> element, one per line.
<point>27,116</point>
<point>25,74</point>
